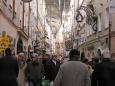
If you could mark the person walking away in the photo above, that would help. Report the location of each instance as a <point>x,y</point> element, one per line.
<point>22,65</point>
<point>1,55</point>
<point>90,69</point>
<point>34,71</point>
<point>95,61</point>
<point>52,67</point>
<point>73,72</point>
<point>104,72</point>
<point>8,70</point>
<point>45,59</point>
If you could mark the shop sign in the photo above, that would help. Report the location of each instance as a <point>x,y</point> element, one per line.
<point>112,6</point>
<point>68,45</point>
<point>4,42</point>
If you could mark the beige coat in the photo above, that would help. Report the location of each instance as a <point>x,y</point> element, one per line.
<point>73,73</point>
<point>21,76</point>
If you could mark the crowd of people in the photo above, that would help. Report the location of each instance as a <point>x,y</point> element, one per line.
<point>34,71</point>
<point>48,70</point>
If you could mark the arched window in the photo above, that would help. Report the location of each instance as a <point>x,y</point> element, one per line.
<point>19,45</point>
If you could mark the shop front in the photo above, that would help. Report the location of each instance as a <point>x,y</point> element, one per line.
<point>91,48</point>
<point>22,43</point>
<point>12,36</point>
<point>8,34</point>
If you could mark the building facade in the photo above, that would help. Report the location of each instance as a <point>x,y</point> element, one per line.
<point>11,24</point>
<point>92,31</point>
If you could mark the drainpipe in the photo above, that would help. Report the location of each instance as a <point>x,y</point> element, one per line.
<point>23,15</point>
<point>110,37</point>
<point>37,10</point>
<point>29,20</point>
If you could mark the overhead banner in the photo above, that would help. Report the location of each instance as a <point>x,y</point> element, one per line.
<point>112,7</point>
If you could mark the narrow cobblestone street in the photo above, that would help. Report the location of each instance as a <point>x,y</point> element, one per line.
<point>57,43</point>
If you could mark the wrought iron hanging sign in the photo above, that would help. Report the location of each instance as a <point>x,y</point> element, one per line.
<point>91,18</point>
<point>79,17</point>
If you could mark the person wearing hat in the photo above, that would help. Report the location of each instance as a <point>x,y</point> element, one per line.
<point>73,72</point>
<point>8,69</point>
<point>52,68</point>
<point>104,72</point>
<point>22,65</point>
<point>34,71</point>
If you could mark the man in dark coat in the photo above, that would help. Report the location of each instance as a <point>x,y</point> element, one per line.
<point>8,70</point>
<point>52,67</point>
<point>34,71</point>
<point>104,72</point>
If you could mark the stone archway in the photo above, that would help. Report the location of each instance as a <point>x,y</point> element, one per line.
<point>19,45</point>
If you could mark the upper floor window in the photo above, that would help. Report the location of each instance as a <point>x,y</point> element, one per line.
<point>20,2</point>
<point>10,2</point>
<point>14,10</point>
<point>5,0</point>
<point>12,7</point>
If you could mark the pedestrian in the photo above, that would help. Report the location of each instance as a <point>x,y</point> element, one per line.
<point>34,71</point>
<point>45,59</point>
<point>104,72</point>
<point>90,69</point>
<point>82,56</point>
<point>22,65</point>
<point>8,70</point>
<point>73,72</point>
<point>95,61</point>
<point>52,67</point>
<point>1,55</point>
<point>66,58</point>
<point>99,54</point>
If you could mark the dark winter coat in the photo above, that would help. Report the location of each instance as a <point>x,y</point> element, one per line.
<point>34,71</point>
<point>104,73</point>
<point>8,71</point>
<point>51,70</point>
<point>44,62</point>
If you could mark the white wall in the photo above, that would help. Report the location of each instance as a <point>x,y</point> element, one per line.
<point>5,25</point>
<point>8,27</point>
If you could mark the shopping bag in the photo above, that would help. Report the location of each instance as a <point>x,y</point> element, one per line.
<point>45,83</point>
<point>51,83</point>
